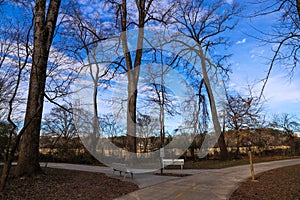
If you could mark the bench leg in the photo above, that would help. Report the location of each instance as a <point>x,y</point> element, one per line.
<point>126,174</point>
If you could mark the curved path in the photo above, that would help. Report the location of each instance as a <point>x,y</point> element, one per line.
<point>203,184</point>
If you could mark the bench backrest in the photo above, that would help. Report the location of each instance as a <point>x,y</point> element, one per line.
<point>173,161</point>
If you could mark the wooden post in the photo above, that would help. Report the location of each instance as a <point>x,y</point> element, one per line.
<point>251,165</point>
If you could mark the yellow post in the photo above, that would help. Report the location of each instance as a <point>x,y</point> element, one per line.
<point>251,165</point>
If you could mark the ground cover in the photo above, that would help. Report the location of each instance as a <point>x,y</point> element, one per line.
<point>66,184</point>
<point>281,183</point>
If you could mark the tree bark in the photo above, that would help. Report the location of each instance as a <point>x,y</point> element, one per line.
<point>298,7</point>
<point>133,69</point>
<point>95,77</point>
<point>45,23</point>
<point>5,174</point>
<point>214,113</point>
<point>237,152</point>
<point>131,114</point>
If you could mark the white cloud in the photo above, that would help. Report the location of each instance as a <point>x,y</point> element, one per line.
<point>282,95</point>
<point>279,90</point>
<point>229,1</point>
<point>241,41</point>
<point>257,53</point>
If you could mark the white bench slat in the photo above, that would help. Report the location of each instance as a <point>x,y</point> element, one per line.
<point>166,162</point>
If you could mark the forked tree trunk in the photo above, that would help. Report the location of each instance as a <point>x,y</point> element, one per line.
<point>133,68</point>
<point>45,22</point>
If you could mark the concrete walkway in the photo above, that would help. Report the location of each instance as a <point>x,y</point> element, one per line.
<point>141,179</point>
<point>207,185</point>
<point>203,184</point>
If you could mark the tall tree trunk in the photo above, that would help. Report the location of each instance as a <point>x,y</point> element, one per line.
<point>131,113</point>
<point>237,152</point>
<point>133,68</point>
<point>45,22</point>
<point>298,7</point>
<point>94,72</point>
<point>223,148</point>
<point>95,118</point>
<point>132,93</point>
<point>162,99</point>
<point>213,107</point>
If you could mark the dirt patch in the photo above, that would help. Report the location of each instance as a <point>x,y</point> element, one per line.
<point>281,183</point>
<point>67,184</point>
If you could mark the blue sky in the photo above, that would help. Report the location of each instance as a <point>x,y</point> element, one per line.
<point>249,66</point>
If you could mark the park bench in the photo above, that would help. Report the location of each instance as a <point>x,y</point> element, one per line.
<point>166,162</point>
<point>121,168</point>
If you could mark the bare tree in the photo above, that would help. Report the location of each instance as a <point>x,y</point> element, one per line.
<point>158,93</point>
<point>15,43</point>
<point>199,117</point>
<point>285,34</point>
<point>144,11</point>
<point>110,126</point>
<point>60,127</point>
<point>147,127</point>
<point>133,67</point>
<point>86,35</point>
<point>205,22</point>
<point>20,57</point>
<point>289,125</point>
<point>45,19</point>
<point>242,113</point>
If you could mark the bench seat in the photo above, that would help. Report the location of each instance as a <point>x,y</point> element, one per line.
<point>121,167</point>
